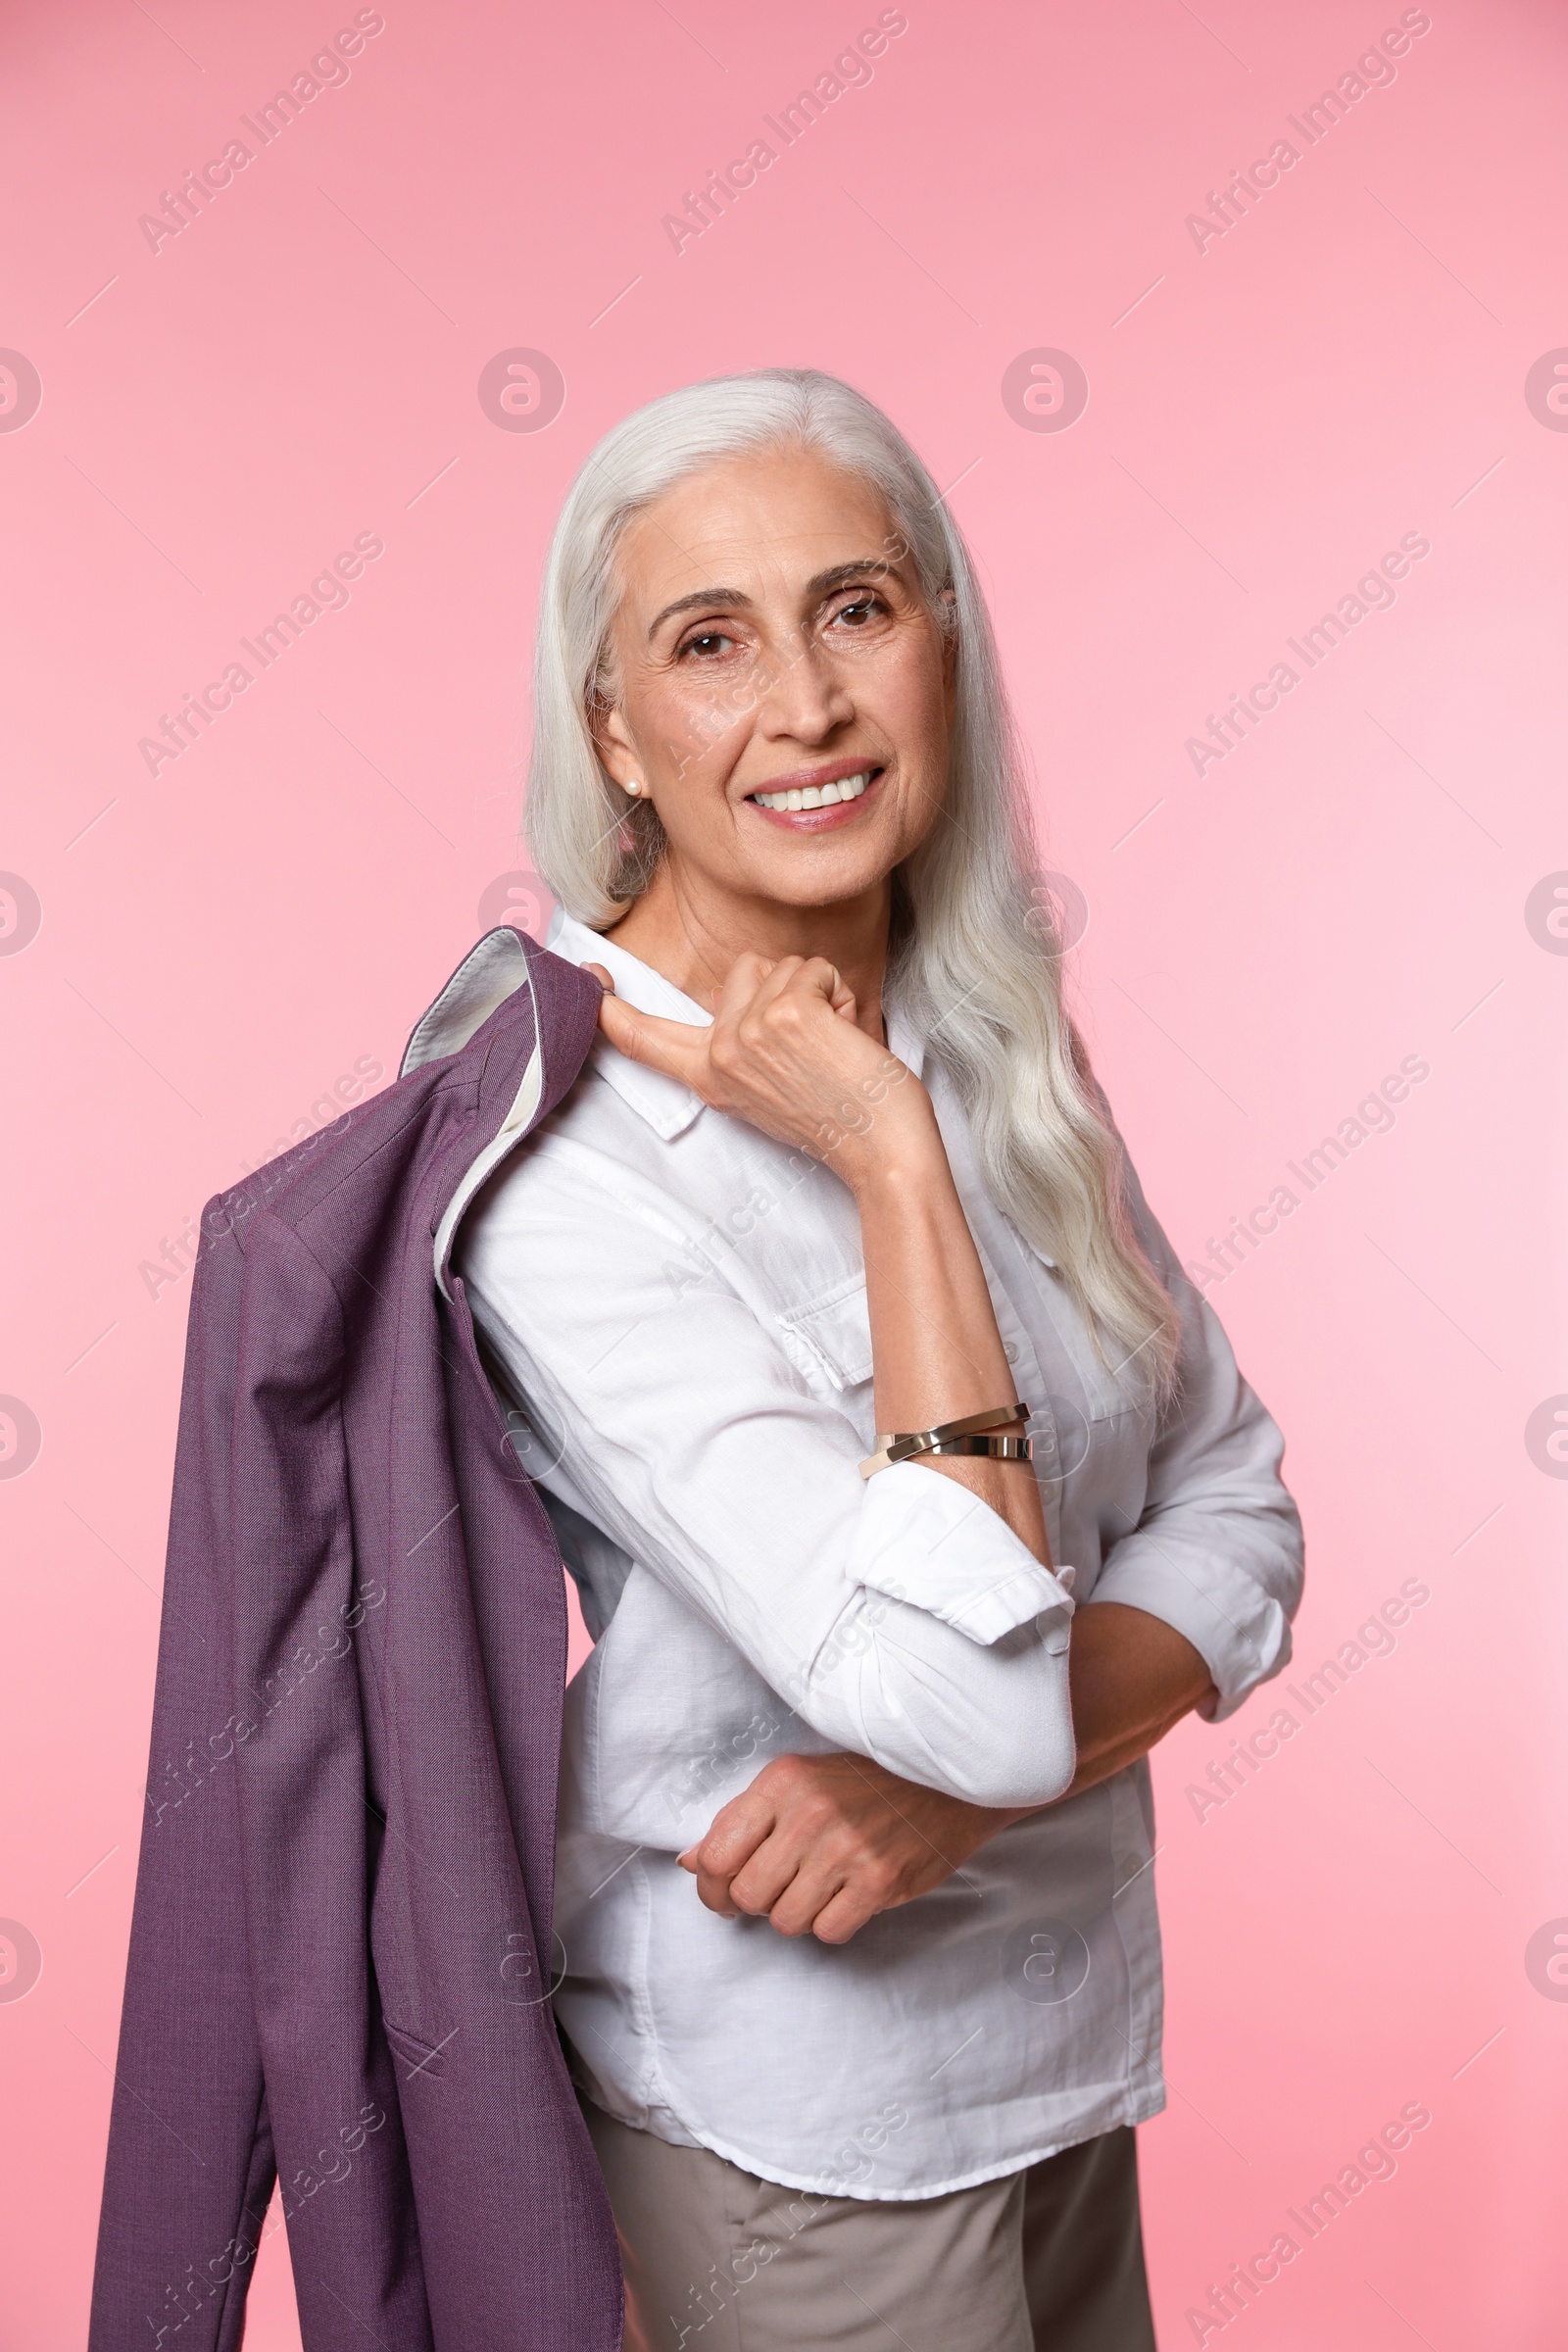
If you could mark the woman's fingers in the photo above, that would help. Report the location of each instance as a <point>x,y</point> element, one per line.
<point>812,1844</point>
<point>842,996</point>
<point>823,1844</point>
<point>751,1854</point>
<point>714,1895</point>
<point>745,977</point>
<point>755,984</point>
<point>779,1877</point>
<point>677,1047</point>
<point>713,1886</point>
<point>769,1887</point>
<point>843,1915</point>
<point>737,1831</point>
<point>798,1883</point>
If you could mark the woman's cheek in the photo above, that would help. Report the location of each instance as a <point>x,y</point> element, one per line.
<point>908,693</point>
<point>685,718</point>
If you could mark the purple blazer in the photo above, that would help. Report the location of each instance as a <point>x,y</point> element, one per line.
<point>341,1954</point>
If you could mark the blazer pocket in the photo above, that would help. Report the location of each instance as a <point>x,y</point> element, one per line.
<point>414,2054</point>
<point>835,1328</point>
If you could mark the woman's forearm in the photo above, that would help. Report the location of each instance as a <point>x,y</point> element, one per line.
<point>937,1354</point>
<point>1133,1678</point>
<point>827,1842</point>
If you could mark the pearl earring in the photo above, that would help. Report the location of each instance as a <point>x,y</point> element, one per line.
<point>633,786</point>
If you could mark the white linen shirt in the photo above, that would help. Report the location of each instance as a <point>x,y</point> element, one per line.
<point>675,1307</point>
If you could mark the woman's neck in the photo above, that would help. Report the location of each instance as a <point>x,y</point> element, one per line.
<point>691,934</point>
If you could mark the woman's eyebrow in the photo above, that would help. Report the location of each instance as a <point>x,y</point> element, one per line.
<point>728,597</point>
<point>732,598</point>
<point>843,574</point>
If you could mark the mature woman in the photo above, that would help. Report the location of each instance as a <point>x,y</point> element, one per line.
<point>861,1979</point>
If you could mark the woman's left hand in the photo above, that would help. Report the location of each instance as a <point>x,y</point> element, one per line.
<point>823,1844</point>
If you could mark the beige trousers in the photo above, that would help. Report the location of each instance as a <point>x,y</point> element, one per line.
<point>1048,2259</point>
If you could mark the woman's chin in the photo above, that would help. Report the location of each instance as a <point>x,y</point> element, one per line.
<point>819,876</point>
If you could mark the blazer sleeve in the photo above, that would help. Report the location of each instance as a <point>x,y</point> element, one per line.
<point>190,2165</point>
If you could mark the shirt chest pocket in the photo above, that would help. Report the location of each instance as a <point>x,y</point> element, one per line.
<point>829,1337</point>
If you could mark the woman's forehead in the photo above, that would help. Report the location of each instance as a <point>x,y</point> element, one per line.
<point>775,516</point>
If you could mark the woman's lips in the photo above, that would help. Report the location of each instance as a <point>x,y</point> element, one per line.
<point>851,793</point>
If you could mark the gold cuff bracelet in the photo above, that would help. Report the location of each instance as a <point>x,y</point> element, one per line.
<point>976,1434</point>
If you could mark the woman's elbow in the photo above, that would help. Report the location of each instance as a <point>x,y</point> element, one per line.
<point>1016,1751</point>
<point>1033,1768</point>
<point>988,1725</point>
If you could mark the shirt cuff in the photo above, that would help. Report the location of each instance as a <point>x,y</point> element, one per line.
<point>928,1542</point>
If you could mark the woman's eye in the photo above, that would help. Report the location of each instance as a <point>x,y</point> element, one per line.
<point>862,609</point>
<point>706,642</point>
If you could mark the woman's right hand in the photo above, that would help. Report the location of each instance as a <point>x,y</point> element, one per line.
<point>786,1054</point>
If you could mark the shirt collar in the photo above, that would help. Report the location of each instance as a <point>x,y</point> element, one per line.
<point>904,1040</point>
<point>669,1106</point>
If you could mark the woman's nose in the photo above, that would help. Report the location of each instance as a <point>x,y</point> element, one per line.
<point>805,698</point>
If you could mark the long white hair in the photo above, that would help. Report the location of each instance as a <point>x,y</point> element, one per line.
<point>976,961</point>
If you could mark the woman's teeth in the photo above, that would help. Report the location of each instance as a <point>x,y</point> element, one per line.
<point>816,796</point>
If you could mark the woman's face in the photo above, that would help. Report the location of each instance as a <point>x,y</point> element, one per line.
<point>772,640</point>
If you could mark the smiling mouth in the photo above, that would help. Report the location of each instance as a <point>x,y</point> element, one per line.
<point>797,798</point>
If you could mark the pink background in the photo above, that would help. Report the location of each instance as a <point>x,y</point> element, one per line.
<point>1351,1929</point>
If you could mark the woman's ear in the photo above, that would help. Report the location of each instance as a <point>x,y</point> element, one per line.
<point>614,743</point>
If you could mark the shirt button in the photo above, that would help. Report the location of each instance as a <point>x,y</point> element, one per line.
<point>1010,1352</point>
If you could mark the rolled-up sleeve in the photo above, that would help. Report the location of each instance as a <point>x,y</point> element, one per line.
<point>898,1616</point>
<point>1217,1551</point>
